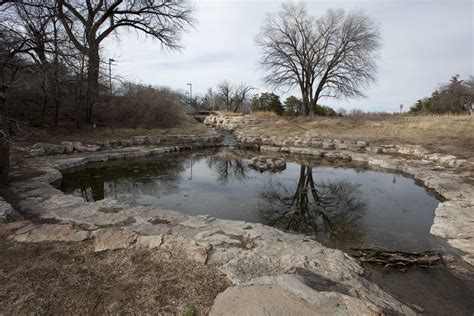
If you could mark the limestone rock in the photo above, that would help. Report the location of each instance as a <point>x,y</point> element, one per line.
<point>263,163</point>
<point>354,305</point>
<point>328,145</point>
<point>113,238</point>
<point>7,212</point>
<point>269,300</point>
<point>13,226</point>
<point>41,149</point>
<point>51,232</point>
<point>79,147</point>
<point>187,247</point>
<point>151,242</point>
<point>68,147</point>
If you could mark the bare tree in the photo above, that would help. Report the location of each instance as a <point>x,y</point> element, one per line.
<point>332,56</point>
<point>233,96</point>
<point>88,23</point>
<point>11,46</point>
<point>47,51</point>
<point>37,22</point>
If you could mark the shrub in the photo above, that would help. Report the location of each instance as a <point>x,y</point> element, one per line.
<point>142,107</point>
<point>267,101</point>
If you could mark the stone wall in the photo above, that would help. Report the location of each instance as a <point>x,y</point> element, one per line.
<point>448,175</point>
<point>230,122</point>
<point>248,253</point>
<point>67,147</point>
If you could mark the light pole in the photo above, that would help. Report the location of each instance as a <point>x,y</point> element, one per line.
<point>110,73</point>
<point>190,92</point>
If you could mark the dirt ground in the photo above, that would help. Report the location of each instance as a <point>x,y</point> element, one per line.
<point>70,278</point>
<point>446,134</point>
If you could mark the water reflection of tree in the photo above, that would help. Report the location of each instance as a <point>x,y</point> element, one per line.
<point>328,210</point>
<point>228,168</point>
<point>96,183</point>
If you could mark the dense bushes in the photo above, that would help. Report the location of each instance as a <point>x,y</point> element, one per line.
<point>267,102</point>
<point>142,107</point>
<point>456,97</point>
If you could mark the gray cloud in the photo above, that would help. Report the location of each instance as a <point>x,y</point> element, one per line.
<point>424,44</point>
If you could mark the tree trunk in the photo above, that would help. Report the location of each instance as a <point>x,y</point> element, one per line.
<point>92,81</point>
<point>57,101</point>
<point>45,95</point>
<point>4,145</point>
<point>4,157</point>
<point>306,105</point>
<point>56,75</point>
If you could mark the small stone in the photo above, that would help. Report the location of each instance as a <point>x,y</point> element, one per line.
<point>328,145</point>
<point>68,147</point>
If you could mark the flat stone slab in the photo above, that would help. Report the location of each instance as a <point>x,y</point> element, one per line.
<point>264,300</point>
<point>275,299</point>
<point>50,232</point>
<point>112,239</point>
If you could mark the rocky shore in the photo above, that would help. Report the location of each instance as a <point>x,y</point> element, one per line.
<point>450,177</point>
<point>256,258</point>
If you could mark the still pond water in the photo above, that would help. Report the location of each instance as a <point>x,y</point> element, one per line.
<point>342,205</point>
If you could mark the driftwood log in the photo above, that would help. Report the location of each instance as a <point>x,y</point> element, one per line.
<point>398,259</point>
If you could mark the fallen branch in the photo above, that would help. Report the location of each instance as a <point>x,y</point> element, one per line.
<point>398,259</point>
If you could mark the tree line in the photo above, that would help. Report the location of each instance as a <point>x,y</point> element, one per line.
<point>455,97</point>
<point>239,98</point>
<point>50,50</point>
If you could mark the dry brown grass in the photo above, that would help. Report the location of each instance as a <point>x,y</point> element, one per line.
<point>266,114</point>
<point>57,278</point>
<point>226,113</point>
<point>89,135</point>
<point>450,134</point>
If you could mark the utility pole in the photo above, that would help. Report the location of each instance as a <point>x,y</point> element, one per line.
<point>110,73</point>
<point>190,92</point>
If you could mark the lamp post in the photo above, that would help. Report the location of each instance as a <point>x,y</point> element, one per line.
<point>110,73</point>
<point>190,92</point>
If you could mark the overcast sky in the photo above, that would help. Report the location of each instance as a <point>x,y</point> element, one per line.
<point>424,44</point>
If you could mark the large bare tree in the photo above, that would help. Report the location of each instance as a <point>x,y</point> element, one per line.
<point>89,22</point>
<point>331,56</point>
<point>233,96</point>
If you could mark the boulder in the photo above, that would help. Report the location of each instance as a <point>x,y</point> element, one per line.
<point>275,299</point>
<point>68,147</point>
<point>7,212</point>
<point>112,238</point>
<point>79,147</point>
<point>328,145</point>
<point>190,249</point>
<point>263,163</point>
<point>42,149</point>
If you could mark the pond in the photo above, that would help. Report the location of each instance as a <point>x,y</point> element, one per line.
<point>342,205</point>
